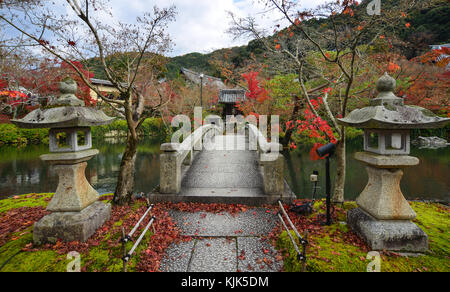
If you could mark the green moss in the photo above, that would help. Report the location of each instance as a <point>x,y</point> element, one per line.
<point>324,254</point>
<point>33,200</point>
<point>138,204</point>
<point>433,219</point>
<point>106,259</point>
<point>100,259</point>
<point>29,200</point>
<point>26,261</point>
<point>39,261</point>
<point>10,248</point>
<point>106,256</point>
<point>329,252</point>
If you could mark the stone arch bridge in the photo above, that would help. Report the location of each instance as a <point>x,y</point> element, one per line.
<point>209,167</point>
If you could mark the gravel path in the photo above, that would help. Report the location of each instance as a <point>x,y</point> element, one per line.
<point>223,243</point>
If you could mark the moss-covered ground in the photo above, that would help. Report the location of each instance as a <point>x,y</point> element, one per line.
<point>337,249</point>
<point>102,252</point>
<point>331,248</point>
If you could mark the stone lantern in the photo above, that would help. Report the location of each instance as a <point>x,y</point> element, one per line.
<point>383,217</point>
<point>75,210</point>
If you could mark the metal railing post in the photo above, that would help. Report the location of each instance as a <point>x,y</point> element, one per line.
<point>301,256</point>
<point>126,238</point>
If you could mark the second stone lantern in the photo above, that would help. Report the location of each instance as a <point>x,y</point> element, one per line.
<point>383,217</point>
<point>75,210</point>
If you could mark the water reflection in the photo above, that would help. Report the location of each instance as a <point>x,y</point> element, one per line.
<point>21,171</point>
<point>429,180</point>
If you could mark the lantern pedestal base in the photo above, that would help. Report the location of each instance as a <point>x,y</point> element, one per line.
<point>76,212</point>
<point>71,226</point>
<point>382,198</point>
<point>74,193</point>
<point>393,235</point>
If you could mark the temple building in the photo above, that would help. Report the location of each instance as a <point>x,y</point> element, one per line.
<point>229,98</point>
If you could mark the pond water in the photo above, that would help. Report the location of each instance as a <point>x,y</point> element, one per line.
<point>21,171</point>
<point>428,181</point>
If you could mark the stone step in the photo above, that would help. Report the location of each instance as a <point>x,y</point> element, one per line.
<point>230,177</point>
<point>243,196</point>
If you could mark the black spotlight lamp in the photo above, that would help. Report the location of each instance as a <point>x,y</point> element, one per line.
<point>327,151</point>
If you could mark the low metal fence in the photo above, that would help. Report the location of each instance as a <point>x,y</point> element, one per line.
<point>127,238</point>
<point>301,255</point>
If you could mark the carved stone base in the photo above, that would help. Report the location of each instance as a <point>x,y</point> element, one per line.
<point>71,226</point>
<point>401,235</point>
<point>74,193</point>
<point>382,197</point>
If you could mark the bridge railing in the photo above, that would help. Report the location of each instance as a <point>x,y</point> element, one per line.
<point>175,154</point>
<point>271,159</point>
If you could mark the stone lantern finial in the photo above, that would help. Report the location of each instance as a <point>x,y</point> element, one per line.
<point>386,87</point>
<point>386,83</point>
<point>68,88</point>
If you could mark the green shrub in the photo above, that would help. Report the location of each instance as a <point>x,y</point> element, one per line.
<point>117,125</point>
<point>352,133</point>
<point>35,135</point>
<point>152,127</point>
<point>11,134</point>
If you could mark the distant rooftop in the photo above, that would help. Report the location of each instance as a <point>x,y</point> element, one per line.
<point>438,47</point>
<point>194,77</point>
<point>231,95</point>
<point>101,82</point>
<point>104,82</point>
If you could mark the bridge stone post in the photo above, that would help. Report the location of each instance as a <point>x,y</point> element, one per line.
<point>170,171</point>
<point>273,172</point>
<point>189,158</point>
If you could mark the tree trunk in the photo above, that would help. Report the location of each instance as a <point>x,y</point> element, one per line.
<point>125,181</point>
<point>287,137</point>
<point>339,183</point>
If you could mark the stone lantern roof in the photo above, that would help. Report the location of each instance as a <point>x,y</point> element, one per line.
<point>388,111</point>
<point>67,111</point>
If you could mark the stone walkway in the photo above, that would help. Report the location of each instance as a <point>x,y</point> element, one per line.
<point>223,243</point>
<point>227,173</point>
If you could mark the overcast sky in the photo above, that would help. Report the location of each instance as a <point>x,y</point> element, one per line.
<point>201,24</point>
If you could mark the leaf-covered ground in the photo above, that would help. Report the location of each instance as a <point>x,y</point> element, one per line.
<point>332,248</point>
<point>102,252</point>
<point>335,248</point>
